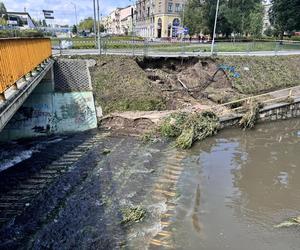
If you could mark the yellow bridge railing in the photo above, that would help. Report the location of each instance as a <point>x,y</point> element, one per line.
<point>19,56</point>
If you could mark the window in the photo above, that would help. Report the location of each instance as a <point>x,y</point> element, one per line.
<point>148,11</point>
<point>177,7</point>
<point>170,7</point>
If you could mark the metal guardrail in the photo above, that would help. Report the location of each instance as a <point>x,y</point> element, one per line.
<point>20,56</point>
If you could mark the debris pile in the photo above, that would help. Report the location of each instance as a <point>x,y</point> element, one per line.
<point>190,127</point>
<point>249,119</point>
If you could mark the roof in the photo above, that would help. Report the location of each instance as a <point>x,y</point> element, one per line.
<point>12,13</point>
<point>18,13</point>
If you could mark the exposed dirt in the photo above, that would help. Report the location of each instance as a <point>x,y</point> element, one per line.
<point>155,84</point>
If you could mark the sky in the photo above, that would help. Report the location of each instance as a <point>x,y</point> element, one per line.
<point>64,11</point>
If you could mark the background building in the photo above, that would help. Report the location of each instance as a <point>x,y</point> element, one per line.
<point>20,19</point>
<point>158,18</point>
<point>267,5</point>
<point>119,21</point>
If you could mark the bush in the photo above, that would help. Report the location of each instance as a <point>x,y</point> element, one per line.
<point>20,33</point>
<point>269,31</point>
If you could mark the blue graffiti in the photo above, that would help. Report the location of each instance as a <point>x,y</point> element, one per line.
<point>230,70</point>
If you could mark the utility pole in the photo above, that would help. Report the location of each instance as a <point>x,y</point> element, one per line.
<point>95,27</point>
<point>98,17</point>
<point>215,26</point>
<point>132,29</point>
<point>75,13</point>
<point>132,25</point>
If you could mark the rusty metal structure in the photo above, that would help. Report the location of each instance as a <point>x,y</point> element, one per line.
<point>20,56</point>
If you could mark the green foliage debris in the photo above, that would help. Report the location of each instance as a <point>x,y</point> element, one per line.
<point>249,119</point>
<point>295,221</point>
<point>132,214</point>
<point>189,127</point>
<point>173,124</point>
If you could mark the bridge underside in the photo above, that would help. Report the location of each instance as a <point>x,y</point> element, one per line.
<point>60,100</point>
<point>15,96</point>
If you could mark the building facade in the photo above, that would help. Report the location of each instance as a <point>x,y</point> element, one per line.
<point>20,19</point>
<point>119,21</point>
<point>158,18</point>
<point>266,21</point>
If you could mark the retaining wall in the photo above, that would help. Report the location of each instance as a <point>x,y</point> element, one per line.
<point>274,112</point>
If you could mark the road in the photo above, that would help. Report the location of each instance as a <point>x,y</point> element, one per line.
<point>139,52</point>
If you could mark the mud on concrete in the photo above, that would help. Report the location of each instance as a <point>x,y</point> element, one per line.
<point>82,208</point>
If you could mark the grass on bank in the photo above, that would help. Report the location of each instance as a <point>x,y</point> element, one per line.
<point>259,75</point>
<point>122,43</point>
<point>121,85</point>
<point>231,47</point>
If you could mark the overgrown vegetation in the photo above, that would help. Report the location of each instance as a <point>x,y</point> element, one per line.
<point>188,128</point>
<point>132,214</point>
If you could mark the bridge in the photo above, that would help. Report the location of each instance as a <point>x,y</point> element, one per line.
<point>40,94</point>
<point>23,64</point>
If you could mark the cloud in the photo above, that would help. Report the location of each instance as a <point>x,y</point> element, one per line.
<point>64,11</point>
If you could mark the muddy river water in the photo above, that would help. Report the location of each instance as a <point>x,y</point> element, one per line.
<point>236,186</point>
<point>227,192</point>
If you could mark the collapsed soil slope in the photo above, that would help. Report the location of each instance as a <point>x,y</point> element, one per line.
<point>120,85</point>
<point>128,84</point>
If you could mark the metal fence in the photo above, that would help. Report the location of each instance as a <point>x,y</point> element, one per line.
<point>18,57</point>
<point>178,47</point>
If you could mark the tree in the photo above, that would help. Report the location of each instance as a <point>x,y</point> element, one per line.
<point>87,24</point>
<point>44,23</point>
<point>74,29</point>
<point>3,14</point>
<point>3,10</point>
<point>192,16</point>
<point>102,28</point>
<point>235,16</point>
<point>285,15</point>
<point>256,18</point>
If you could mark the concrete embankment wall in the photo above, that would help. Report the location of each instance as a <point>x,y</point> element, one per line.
<point>62,102</point>
<point>274,112</point>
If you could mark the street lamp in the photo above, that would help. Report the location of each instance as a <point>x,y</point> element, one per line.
<point>75,12</point>
<point>215,26</point>
<point>95,28</point>
<point>98,20</point>
<point>132,24</point>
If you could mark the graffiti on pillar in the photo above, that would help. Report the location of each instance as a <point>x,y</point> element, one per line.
<point>26,116</point>
<point>79,111</point>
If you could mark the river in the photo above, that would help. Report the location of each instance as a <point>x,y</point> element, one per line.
<point>227,192</point>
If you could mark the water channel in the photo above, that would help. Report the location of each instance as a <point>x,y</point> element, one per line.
<point>231,190</point>
<point>237,186</point>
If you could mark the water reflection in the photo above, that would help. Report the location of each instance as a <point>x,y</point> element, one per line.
<point>269,178</point>
<point>249,181</point>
